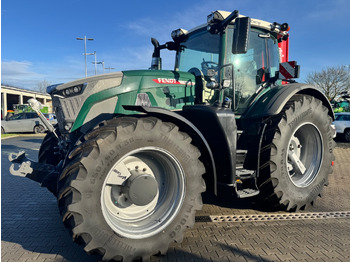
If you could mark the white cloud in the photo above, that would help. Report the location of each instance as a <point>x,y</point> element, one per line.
<point>25,74</point>
<point>19,73</point>
<point>16,68</point>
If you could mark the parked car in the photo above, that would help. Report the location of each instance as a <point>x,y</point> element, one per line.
<point>52,118</point>
<point>23,122</point>
<point>342,125</point>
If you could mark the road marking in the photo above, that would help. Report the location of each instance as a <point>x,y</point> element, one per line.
<point>273,217</point>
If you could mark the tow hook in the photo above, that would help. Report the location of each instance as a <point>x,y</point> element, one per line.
<point>45,174</point>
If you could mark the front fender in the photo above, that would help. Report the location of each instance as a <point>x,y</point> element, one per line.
<point>272,102</point>
<point>186,126</point>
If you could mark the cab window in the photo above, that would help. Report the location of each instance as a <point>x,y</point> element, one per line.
<point>251,68</point>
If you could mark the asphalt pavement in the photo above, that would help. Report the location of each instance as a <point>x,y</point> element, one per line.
<point>225,230</point>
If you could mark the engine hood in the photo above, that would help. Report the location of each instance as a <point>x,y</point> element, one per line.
<point>80,101</point>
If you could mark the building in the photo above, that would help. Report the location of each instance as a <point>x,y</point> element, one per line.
<point>14,95</point>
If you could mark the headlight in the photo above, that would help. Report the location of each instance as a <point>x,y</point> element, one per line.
<point>73,90</point>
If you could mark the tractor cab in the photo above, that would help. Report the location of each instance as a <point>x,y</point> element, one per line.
<point>233,57</point>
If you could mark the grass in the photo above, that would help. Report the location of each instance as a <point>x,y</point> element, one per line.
<point>7,135</point>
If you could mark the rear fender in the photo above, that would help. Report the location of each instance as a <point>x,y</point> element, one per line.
<point>272,102</point>
<point>267,105</point>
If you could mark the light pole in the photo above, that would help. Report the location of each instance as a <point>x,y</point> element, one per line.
<point>100,63</point>
<point>94,53</point>
<point>348,82</point>
<point>89,39</point>
<point>109,68</point>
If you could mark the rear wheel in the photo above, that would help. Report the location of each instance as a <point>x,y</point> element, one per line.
<point>39,129</point>
<point>131,188</point>
<point>298,158</point>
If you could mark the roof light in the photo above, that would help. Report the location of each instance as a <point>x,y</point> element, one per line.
<point>178,33</point>
<point>285,27</point>
<point>215,17</point>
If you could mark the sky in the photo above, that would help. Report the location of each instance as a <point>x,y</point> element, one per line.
<point>38,37</point>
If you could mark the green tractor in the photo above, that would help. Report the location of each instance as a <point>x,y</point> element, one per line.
<point>134,150</point>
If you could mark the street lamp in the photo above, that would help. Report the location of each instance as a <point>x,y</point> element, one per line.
<point>109,68</point>
<point>100,63</point>
<point>89,39</point>
<point>94,53</point>
<point>348,78</point>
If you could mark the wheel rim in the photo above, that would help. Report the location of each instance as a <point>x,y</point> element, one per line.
<point>39,129</point>
<point>305,154</point>
<point>142,220</point>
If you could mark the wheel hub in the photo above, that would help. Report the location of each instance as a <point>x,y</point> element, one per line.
<point>141,188</point>
<point>305,154</point>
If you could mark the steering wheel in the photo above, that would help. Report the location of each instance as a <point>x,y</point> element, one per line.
<point>206,65</point>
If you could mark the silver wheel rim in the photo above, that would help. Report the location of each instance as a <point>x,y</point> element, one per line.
<point>305,154</point>
<point>39,129</point>
<point>137,222</point>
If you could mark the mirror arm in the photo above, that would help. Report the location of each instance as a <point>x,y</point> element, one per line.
<point>228,19</point>
<point>36,106</point>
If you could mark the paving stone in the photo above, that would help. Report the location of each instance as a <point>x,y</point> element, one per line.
<point>32,230</point>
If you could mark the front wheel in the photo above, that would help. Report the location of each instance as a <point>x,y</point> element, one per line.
<point>48,152</point>
<point>131,188</point>
<point>347,135</point>
<point>298,158</point>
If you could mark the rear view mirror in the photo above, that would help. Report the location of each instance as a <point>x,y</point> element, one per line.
<point>241,35</point>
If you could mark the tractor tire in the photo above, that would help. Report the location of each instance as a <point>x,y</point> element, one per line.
<point>47,150</point>
<point>131,188</point>
<point>297,155</point>
<point>39,129</point>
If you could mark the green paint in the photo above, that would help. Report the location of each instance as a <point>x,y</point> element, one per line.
<point>167,89</point>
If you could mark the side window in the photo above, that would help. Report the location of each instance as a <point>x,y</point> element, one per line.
<point>251,68</point>
<point>274,58</point>
<point>32,115</point>
<point>17,117</point>
<point>246,69</point>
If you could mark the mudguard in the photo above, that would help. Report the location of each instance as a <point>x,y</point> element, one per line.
<point>188,127</point>
<point>272,102</point>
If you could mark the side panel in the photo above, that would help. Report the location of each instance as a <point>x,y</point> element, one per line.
<point>284,50</point>
<point>168,89</point>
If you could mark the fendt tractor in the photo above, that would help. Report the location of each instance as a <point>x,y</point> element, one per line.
<point>134,150</point>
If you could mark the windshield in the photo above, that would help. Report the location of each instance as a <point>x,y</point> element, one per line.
<point>200,50</point>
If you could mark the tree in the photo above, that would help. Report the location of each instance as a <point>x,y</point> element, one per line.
<point>41,86</point>
<point>332,80</point>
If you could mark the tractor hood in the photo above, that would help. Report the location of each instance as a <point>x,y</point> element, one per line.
<point>79,102</point>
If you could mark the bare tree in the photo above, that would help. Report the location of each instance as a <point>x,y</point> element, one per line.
<point>332,80</point>
<point>41,86</point>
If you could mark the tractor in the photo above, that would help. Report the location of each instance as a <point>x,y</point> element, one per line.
<point>133,151</point>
